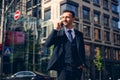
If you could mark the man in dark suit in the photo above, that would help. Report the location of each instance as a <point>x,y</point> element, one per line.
<point>68,57</point>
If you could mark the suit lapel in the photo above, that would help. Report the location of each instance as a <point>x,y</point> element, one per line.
<point>77,40</point>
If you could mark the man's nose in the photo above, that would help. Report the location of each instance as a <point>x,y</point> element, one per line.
<point>64,18</point>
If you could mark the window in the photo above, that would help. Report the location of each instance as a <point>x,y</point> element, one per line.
<point>34,12</point>
<point>116,38</point>
<point>39,1</point>
<point>86,13</point>
<point>96,18</point>
<point>106,21</point>
<point>76,25</point>
<point>116,54</point>
<point>96,2</point>
<point>106,36</point>
<point>44,31</point>
<point>105,4</point>
<point>114,22</point>
<point>87,50</point>
<point>87,1</point>
<point>35,2</point>
<point>47,14</point>
<point>71,7</point>
<point>86,31</point>
<point>39,12</point>
<point>28,5</point>
<point>97,51</point>
<point>107,53</point>
<point>114,7</point>
<point>18,1</point>
<point>97,34</point>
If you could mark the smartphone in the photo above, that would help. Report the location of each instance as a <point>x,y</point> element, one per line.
<point>61,22</point>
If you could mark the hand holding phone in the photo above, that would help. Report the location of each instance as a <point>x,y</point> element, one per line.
<point>58,24</point>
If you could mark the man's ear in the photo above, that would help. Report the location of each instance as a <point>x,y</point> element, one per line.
<point>73,19</point>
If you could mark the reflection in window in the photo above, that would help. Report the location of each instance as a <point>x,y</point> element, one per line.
<point>47,14</point>
<point>76,25</point>
<point>86,0</point>
<point>69,7</point>
<point>114,7</point>
<point>116,54</point>
<point>107,53</point>
<point>105,4</point>
<point>106,21</point>
<point>86,31</point>
<point>106,36</point>
<point>28,5</point>
<point>114,23</point>
<point>34,12</point>
<point>96,18</point>
<point>39,1</point>
<point>86,14</point>
<point>39,12</point>
<point>44,32</point>
<point>35,2</point>
<point>97,34</point>
<point>96,1</point>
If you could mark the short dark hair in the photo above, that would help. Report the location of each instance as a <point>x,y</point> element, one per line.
<point>73,14</point>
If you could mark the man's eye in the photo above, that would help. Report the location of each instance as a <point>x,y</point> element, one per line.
<point>65,17</point>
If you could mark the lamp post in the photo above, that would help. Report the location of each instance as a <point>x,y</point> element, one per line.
<point>4,12</point>
<point>2,19</point>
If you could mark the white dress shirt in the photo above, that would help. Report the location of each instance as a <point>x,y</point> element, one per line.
<point>66,32</point>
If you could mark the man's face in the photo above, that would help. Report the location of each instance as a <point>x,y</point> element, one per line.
<point>67,19</point>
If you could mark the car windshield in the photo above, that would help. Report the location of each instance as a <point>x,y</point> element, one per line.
<point>24,73</point>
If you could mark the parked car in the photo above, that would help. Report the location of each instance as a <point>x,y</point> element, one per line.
<point>28,75</point>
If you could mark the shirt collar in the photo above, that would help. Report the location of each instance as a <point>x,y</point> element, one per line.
<point>66,29</point>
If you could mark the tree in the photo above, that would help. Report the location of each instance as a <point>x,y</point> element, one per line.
<point>98,61</point>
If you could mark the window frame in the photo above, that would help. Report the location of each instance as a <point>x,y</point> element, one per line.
<point>88,34</point>
<point>106,20</point>
<point>84,16</point>
<point>107,36</point>
<point>47,14</point>
<point>69,6</point>
<point>97,17</point>
<point>97,35</point>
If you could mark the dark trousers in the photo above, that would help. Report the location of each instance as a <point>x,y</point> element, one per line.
<point>69,73</point>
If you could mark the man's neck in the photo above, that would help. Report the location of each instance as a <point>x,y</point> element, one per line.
<point>69,27</point>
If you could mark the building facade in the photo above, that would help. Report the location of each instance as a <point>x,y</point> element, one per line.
<point>98,20</point>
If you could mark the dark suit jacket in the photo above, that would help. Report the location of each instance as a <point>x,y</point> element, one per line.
<point>57,38</point>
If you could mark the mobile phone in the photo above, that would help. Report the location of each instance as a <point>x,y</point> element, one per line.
<point>62,24</point>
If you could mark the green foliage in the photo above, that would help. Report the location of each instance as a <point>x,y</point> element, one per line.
<point>97,61</point>
<point>51,51</point>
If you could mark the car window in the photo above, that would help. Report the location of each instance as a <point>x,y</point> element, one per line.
<point>20,74</point>
<point>28,73</point>
<point>23,74</point>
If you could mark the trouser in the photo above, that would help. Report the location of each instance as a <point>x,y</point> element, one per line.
<point>69,73</point>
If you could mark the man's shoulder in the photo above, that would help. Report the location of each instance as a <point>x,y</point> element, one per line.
<point>78,32</point>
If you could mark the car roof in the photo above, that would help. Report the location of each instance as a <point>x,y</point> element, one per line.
<point>25,72</point>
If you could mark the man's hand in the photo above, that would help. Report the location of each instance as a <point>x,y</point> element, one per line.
<point>57,24</point>
<point>81,67</point>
